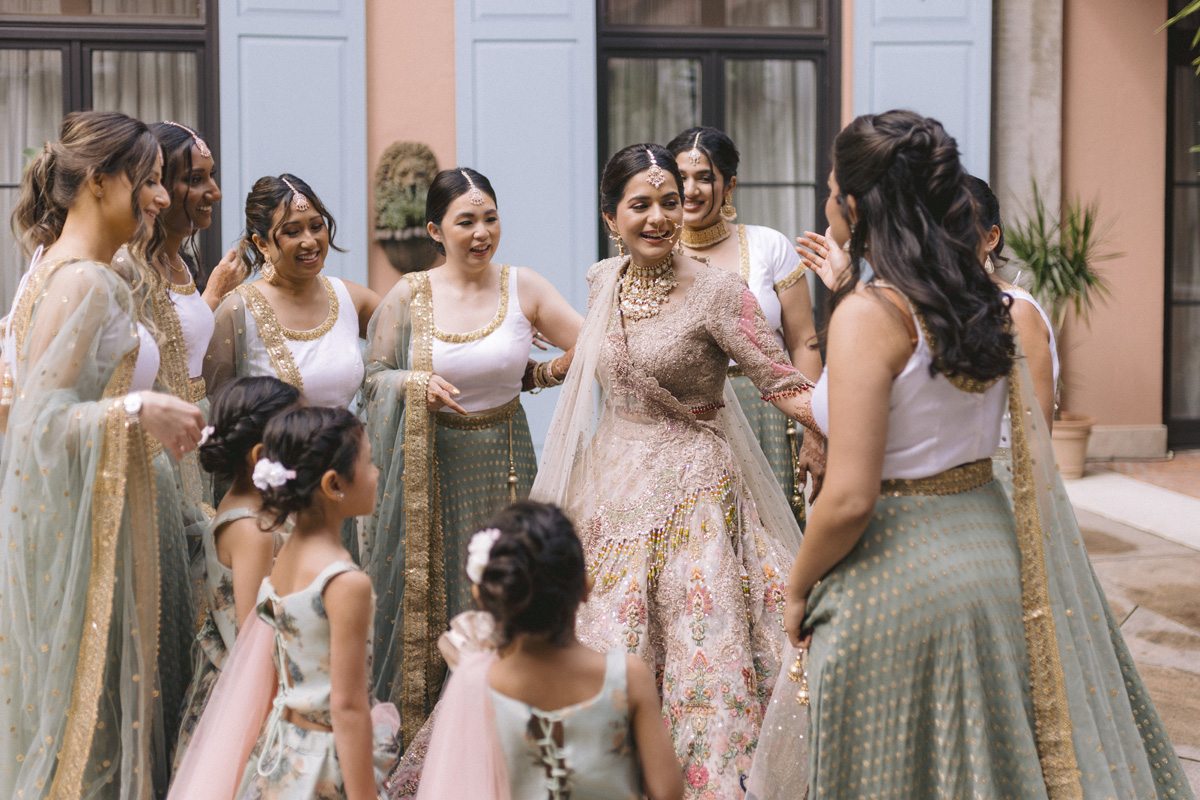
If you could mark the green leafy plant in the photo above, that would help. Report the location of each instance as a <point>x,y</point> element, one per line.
<point>402,179</point>
<point>1060,254</point>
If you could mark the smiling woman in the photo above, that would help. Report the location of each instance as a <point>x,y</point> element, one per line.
<point>294,323</point>
<point>447,358</point>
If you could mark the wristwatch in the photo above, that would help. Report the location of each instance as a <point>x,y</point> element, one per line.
<point>133,405</point>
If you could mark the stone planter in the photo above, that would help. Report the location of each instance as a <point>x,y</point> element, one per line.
<point>408,250</point>
<point>1070,442</point>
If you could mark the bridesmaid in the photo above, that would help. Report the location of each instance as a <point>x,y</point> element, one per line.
<point>182,322</point>
<point>83,714</point>
<point>766,260</point>
<point>959,644</point>
<point>294,323</point>
<point>455,341</point>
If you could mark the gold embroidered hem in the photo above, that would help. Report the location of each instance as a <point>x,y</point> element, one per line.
<point>792,277</point>
<point>471,336</point>
<point>424,603</point>
<point>955,480</point>
<point>121,460</point>
<point>743,253</point>
<point>1056,749</point>
<point>272,334</point>
<point>196,390</point>
<point>182,288</point>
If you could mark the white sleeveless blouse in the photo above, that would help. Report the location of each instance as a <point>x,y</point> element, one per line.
<point>486,365</point>
<point>195,321</point>
<point>769,264</point>
<point>1017,293</point>
<point>328,358</point>
<point>932,424</point>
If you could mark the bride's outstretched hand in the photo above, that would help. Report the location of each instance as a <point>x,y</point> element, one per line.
<point>822,255</point>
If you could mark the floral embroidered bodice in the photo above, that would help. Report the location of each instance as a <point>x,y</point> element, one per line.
<point>302,644</point>
<point>688,345</point>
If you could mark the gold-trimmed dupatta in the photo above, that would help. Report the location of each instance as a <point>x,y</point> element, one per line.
<point>404,555</point>
<point>80,569</point>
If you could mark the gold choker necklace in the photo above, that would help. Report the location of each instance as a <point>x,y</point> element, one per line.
<point>644,290</point>
<point>706,237</point>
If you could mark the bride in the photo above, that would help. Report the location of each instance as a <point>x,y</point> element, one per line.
<point>686,533</point>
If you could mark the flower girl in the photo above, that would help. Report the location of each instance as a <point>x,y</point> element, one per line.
<point>558,719</point>
<point>237,548</point>
<point>322,738</point>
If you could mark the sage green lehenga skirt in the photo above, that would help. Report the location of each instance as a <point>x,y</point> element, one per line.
<point>918,668</point>
<point>475,459</point>
<point>770,428</point>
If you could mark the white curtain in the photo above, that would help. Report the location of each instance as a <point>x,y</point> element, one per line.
<point>684,13</point>
<point>31,105</point>
<point>651,99</point>
<point>150,86</point>
<point>150,8</point>
<point>772,13</point>
<point>771,113</point>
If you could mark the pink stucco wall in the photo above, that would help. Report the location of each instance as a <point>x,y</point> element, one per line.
<point>1114,151</point>
<point>410,90</point>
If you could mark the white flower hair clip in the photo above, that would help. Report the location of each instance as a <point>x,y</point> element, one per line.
<point>270,474</point>
<point>479,553</point>
<point>205,432</point>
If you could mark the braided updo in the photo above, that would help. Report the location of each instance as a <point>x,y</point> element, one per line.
<point>239,415</point>
<point>534,578</point>
<point>917,225</point>
<point>310,441</point>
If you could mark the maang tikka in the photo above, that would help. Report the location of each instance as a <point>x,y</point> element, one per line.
<point>201,146</point>
<point>299,201</point>
<point>474,196</point>
<point>656,177</point>
<point>694,155</point>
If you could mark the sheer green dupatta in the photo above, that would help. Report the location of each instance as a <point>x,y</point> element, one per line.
<point>78,548</point>
<point>403,538</point>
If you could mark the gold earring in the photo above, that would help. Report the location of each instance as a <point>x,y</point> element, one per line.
<point>268,270</point>
<point>988,266</point>
<point>619,242</point>
<point>728,211</point>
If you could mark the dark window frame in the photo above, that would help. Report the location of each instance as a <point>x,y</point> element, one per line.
<point>714,46</point>
<point>77,37</point>
<point>1181,433</point>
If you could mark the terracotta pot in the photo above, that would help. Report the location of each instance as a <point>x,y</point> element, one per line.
<point>1070,442</point>
<point>409,250</point>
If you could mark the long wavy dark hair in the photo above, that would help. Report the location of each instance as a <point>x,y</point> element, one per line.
<point>918,227</point>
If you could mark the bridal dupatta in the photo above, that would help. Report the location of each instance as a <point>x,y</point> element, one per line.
<point>79,576</point>
<point>1097,732</point>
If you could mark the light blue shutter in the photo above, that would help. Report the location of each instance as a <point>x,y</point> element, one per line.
<point>293,99</point>
<point>526,116</point>
<point>931,56</point>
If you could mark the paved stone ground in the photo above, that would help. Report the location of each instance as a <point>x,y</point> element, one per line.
<point>1180,473</point>
<point>1153,585</point>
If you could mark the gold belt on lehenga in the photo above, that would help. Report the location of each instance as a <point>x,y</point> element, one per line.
<point>962,478</point>
<point>196,390</point>
<point>488,419</point>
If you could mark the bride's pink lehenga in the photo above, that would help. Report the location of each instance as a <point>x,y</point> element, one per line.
<point>685,530</point>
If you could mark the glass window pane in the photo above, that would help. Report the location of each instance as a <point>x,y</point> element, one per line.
<point>150,86</point>
<point>1185,354</point>
<point>1185,256</point>
<point>790,210</point>
<point>791,14</point>
<point>771,115</point>
<point>169,11</point>
<point>31,106</point>
<point>651,99</point>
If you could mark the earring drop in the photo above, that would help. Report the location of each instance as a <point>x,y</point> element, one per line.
<point>341,495</point>
<point>728,211</point>
<point>988,266</point>
<point>268,270</point>
<point>619,242</point>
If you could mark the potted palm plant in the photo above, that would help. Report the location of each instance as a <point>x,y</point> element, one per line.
<point>402,179</point>
<point>1059,254</point>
